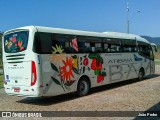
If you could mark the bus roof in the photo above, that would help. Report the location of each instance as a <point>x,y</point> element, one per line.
<point>84,33</point>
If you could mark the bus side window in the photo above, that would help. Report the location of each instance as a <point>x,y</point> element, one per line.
<point>98,47</point>
<point>144,49</point>
<point>84,45</point>
<point>43,42</point>
<point>128,45</point>
<point>59,44</point>
<point>89,45</point>
<point>95,44</point>
<point>71,44</point>
<point>151,53</point>
<point>37,43</point>
<point>55,43</point>
<point>105,45</point>
<point>115,45</point>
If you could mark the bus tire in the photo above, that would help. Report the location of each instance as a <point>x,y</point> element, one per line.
<point>83,87</point>
<point>141,74</point>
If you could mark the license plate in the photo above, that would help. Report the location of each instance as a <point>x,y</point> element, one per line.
<point>16,90</point>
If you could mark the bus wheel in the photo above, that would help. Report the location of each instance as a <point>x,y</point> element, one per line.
<point>141,74</point>
<point>83,87</point>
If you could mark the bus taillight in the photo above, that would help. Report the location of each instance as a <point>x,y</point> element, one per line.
<point>34,74</point>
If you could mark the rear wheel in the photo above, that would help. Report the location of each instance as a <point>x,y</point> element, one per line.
<point>141,74</point>
<point>83,87</point>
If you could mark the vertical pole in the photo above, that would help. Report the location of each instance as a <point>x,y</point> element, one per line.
<point>127,18</point>
<point>127,26</point>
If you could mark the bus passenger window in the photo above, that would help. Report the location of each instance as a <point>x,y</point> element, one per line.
<point>106,45</point>
<point>74,44</point>
<point>114,45</point>
<point>105,49</point>
<point>84,45</point>
<point>98,47</point>
<point>58,43</point>
<point>129,45</point>
<point>45,43</point>
<point>144,49</point>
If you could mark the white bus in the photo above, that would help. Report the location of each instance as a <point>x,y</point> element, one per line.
<point>42,61</point>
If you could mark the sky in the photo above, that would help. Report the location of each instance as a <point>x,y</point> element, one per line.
<point>87,15</point>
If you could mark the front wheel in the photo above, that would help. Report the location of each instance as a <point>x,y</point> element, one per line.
<point>83,87</point>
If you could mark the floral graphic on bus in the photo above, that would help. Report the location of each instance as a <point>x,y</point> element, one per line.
<point>66,70</point>
<point>57,49</point>
<point>74,44</point>
<point>73,65</point>
<point>85,61</point>
<point>57,54</point>
<point>96,65</point>
<point>16,42</point>
<point>13,39</point>
<point>19,45</point>
<point>75,61</point>
<point>8,44</point>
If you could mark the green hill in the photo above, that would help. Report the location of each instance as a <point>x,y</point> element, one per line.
<point>155,40</point>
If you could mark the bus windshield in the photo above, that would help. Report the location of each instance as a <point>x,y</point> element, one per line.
<point>16,42</point>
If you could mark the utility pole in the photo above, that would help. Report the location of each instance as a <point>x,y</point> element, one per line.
<point>128,20</point>
<point>127,8</point>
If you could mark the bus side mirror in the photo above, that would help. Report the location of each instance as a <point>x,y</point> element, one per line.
<point>154,47</point>
<point>156,50</point>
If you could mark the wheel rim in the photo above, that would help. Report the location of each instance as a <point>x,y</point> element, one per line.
<point>140,75</point>
<point>83,87</point>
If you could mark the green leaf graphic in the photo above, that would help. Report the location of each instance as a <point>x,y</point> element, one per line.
<point>83,69</point>
<point>69,83</point>
<point>92,55</point>
<point>54,67</point>
<point>80,59</point>
<point>96,72</point>
<point>103,73</point>
<point>88,68</point>
<point>74,56</point>
<point>67,87</point>
<point>75,70</point>
<point>99,58</point>
<point>56,81</point>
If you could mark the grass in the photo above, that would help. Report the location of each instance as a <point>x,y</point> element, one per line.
<point>1,80</point>
<point>157,62</point>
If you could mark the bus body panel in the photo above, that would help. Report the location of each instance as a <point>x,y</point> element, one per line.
<point>18,78</point>
<point>118,67</point>
<point>18,74</point>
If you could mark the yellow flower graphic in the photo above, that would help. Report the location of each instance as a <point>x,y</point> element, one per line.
<point>66,70</point>
<point>57,57</point>
<point>57,49</point>
<point>75,61</point>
